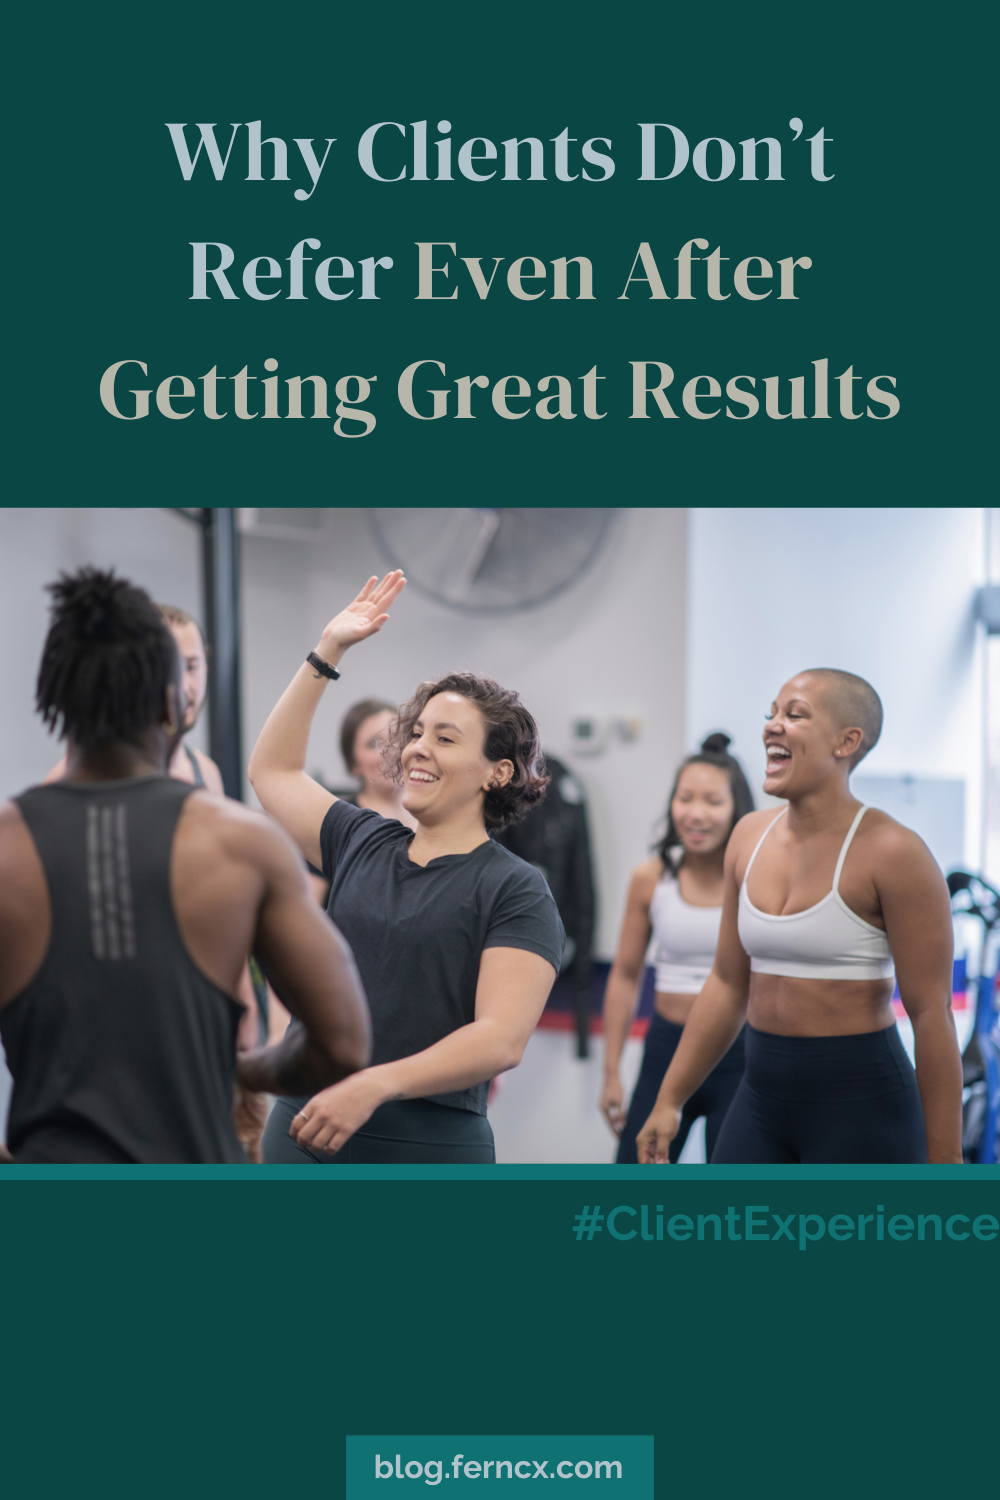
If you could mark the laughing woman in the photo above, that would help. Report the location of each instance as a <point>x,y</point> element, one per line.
<point>822,905</point>
<point>457,941</point>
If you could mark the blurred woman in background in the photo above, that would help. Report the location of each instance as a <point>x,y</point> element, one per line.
<point>364,734</point>
<point>676,899</point>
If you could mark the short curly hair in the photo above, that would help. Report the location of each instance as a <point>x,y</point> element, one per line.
<point>511,734</point>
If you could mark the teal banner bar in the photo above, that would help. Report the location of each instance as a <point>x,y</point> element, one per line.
<point>969,1176</point>
<point>379,1468</point>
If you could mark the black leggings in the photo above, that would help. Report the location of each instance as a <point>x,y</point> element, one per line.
<point>712,1100</point>
<point>407,1130</point>
<point>840,1099</point>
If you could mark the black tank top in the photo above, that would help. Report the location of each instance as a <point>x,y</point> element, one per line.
<point>121,1049</point>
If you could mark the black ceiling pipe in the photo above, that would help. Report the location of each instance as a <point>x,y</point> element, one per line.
<point>221,580</point>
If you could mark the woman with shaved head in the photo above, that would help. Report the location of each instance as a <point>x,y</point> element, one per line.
<point>825,903</point>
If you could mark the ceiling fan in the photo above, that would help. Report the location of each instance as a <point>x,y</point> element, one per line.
<point>493,560</point>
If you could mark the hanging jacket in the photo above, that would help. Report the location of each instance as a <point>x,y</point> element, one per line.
<point>555,838</point>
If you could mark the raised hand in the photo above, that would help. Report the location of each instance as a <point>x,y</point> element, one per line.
<point>364,616</point>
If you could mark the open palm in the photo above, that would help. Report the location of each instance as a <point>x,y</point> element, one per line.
<point>367,613</point>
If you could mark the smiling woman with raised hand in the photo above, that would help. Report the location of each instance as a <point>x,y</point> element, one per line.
<point>457,941</point>
<point>822,902</point>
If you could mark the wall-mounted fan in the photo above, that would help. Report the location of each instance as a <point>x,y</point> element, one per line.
<point>489,561</point>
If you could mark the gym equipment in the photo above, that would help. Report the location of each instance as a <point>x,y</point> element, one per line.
<point>972,896</point>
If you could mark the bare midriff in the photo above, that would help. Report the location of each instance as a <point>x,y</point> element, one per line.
<point>819,1007</point>
<point>674,1008</point>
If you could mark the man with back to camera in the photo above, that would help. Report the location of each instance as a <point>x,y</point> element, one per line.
<point>128,903</point>
<point>200,770</point>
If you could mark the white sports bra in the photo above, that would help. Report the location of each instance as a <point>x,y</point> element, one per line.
<point>827,941</point>
<point>686,938</point>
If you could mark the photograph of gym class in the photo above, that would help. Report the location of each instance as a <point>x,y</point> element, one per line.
<point>470,836</point>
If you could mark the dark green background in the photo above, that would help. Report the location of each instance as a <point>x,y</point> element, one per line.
<point>99,260</point>
<point>221,1338</point>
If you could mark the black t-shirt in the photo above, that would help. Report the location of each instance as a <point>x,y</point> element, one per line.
<point>418,932</point>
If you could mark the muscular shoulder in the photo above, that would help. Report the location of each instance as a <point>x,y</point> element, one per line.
<point>14,835</point>
<point>22,880</point>
<point>13,832</point>
<point>883,831</point>
<point>892,850</point>
<point>233,831</point>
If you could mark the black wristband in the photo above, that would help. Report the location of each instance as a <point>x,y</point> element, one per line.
<point>323,668</point>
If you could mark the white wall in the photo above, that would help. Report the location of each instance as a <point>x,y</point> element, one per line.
<point>886,593</point>
<point>613,644</point>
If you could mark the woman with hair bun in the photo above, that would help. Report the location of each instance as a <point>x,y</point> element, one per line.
<point>457,941</point>
<point>675,898</point>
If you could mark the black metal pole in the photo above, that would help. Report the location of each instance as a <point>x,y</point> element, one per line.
<point>221,578</point>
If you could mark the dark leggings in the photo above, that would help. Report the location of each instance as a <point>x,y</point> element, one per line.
<point>405,1131</point>
<point>712,1100</point>
<point>842,1099</point>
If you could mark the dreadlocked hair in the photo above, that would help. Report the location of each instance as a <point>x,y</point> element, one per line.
<point>107,662</point>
